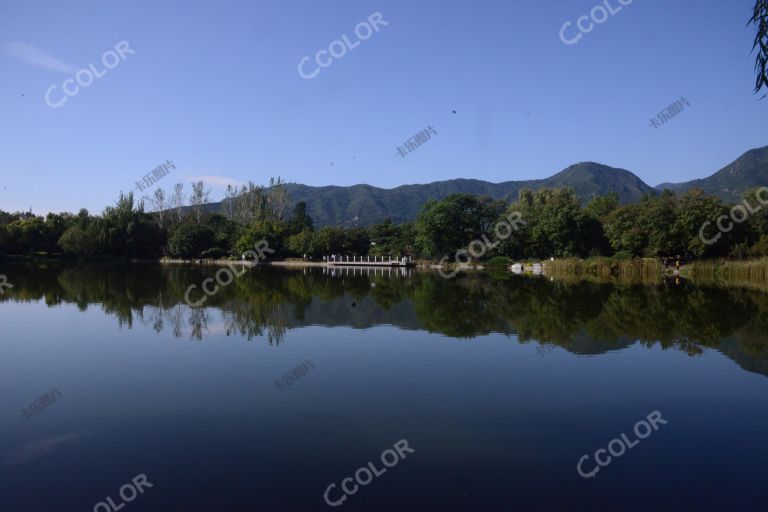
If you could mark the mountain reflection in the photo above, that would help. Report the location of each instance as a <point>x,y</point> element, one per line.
<point>585,317</point>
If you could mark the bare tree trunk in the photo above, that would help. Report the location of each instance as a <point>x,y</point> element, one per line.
<point>199,199</point>
<point>159,206</point>
<point>278,200</point>
<point>178,200</point>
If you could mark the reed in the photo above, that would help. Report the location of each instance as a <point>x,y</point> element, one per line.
<point>732,272</point>
<point>636,269</point>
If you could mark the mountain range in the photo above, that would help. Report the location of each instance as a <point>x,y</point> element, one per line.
<point>364,205</point>
<point>730,182</point>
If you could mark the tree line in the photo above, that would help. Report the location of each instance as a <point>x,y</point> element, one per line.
<point>555,223</point>
<point>584,317</point>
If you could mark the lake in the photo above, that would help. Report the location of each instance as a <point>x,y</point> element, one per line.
<point>318,389</point>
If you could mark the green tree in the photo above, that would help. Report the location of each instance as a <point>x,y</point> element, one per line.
<point>300,220</point>
<point>26,235</point>
<point>556,225</point>
<point>446,226</point>
<point>127,230</point>
<point>302,244</point>
<point>78,241</point>
<point>327,241</point>
<point>190,240</point>
<point>602,206</point>
<point>693,212</point>
<point>273,232</point>
<point>625,232</point>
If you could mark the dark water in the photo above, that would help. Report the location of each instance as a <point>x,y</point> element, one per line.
<point>498,384</point>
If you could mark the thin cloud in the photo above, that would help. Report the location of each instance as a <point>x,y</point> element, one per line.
<point>37,57</point>
<point>36,449</point>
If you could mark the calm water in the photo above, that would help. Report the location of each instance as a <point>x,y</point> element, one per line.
<point>499,384</point>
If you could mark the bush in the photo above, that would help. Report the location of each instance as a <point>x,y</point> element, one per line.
<point>78,241</point>
<point>190,240</point>
<point>273,232</point>
<point>213,253</point>
<point>499,261</point>
<point>760,249</point>
<point>623,255</point>
<point>739,251</point>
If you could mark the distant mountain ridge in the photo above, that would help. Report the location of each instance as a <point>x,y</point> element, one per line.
<point>363,205</point>
<point>730,182</point>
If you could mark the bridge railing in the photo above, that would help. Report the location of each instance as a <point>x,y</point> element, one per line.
<point>341,258</point>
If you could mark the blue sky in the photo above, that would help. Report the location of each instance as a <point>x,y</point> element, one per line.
<point>214,87</point>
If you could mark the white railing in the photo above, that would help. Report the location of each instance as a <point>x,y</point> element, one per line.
<point>337,258</point>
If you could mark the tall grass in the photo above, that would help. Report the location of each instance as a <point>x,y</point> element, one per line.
<point>635,269</point>
<point>747,273</point>
<point>751,274</point>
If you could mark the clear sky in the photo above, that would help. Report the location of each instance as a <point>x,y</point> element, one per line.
<point>214,87</point>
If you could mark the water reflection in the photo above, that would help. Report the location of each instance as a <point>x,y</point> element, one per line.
<point>585,317</point>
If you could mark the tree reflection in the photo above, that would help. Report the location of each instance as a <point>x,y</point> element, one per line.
<point>583,317</point>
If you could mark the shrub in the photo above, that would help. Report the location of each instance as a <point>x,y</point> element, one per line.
<point>76,240</point>
<point>190,240</point>
<point>499,261</point>
<point>213,253</point>
<point>760,249</point>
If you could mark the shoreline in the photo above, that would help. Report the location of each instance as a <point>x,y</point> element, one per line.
<point>755,269</point>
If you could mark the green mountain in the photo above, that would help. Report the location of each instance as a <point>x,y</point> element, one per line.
<point>589,180</point>
<point>364,205</point>
<point>730,182</point>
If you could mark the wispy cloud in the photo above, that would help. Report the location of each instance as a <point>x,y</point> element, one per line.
<point>37,57</point>
<point>36,449</point>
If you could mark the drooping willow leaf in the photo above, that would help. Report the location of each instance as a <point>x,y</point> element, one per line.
<point>760,20</point>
